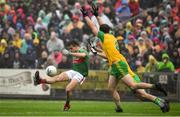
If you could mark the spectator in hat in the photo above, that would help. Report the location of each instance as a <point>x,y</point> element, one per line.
<point>141,45</point>
<point>139,67</point>
<point>166,65</point>
<point>152,65</point>
<point>3,46</point>
<point>17,41</point>
<point>123,11</point>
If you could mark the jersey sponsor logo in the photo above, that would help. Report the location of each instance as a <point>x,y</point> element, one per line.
<point>79,60</point>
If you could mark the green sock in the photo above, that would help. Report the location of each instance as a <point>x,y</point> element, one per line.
<point>159,102</point>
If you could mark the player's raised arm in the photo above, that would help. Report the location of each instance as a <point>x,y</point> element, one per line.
<point>95,13</point>
<point>89,22</point>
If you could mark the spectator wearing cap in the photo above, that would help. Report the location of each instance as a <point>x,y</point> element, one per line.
<point>54,43</point>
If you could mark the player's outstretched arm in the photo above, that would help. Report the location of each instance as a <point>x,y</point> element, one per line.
<point>89,22</point>
<point>76,54</point>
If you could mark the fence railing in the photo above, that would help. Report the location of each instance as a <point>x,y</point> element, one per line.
<point>170,81</point>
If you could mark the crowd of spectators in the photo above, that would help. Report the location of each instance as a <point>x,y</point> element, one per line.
<point>33,33</point>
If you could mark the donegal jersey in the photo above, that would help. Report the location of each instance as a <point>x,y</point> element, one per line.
<point>81,64</point>
<point>111,49</point>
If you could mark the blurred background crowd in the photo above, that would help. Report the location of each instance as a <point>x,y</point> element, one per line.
<point>33,33</point>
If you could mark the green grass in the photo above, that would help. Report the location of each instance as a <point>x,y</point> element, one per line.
<point>81,108</point>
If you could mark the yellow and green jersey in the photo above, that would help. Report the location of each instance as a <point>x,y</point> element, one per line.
<point>81,64</point>
<point>111,49</point>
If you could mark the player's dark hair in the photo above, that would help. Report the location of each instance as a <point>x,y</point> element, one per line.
<point>73,43</point>
<point>105,28</point>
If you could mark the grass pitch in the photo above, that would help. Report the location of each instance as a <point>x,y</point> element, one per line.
<point>81,108</point>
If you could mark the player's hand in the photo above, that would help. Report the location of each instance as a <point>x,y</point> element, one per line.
<point>94,9</point>
<point>84,12</point>
<point>66,52</point>
<point>93,50</point>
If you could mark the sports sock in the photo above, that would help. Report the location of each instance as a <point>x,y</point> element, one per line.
<point>42,81</point>
<point>159,102</point>
<point>67,102</point>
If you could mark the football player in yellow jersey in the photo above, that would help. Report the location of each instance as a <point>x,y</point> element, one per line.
<point>119,68</point>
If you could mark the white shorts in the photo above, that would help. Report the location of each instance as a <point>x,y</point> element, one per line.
<point>75,75</point>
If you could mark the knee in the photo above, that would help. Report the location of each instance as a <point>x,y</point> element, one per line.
<point>133,86</point>
<point>68,89</point>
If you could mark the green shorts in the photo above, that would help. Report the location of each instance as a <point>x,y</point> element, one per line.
<point>136,78</point>
<point>119,69</point>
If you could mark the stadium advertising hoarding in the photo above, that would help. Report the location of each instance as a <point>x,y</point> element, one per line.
<point>19,82</point>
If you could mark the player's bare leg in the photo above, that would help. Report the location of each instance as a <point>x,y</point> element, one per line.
<point>49,80</point>
<point>69,88</point>
<point>138,88</point>
<point>163,104</point>
<point>129,81</point>
<point>112,84</point>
